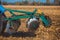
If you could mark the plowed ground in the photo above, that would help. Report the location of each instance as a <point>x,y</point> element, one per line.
<point>42,33</point>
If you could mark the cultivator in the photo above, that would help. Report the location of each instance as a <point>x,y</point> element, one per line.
<point>12,23</point>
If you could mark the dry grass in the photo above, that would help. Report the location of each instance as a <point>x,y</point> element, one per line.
<point>42,33</point>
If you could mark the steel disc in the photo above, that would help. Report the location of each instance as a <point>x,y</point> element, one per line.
<point>12,28</point>
<point>33,24</point>
<point>2,23</point>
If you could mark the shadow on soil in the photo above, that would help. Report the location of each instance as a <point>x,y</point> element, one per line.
<point>19,34</point>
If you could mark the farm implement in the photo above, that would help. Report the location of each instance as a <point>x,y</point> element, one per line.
<point>11,24</point>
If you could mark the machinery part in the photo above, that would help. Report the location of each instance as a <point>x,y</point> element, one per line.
<point>32,24</point>
<point>50,21</point>
<point>2,23</point>
<point>12,26</point>
<point>2,9</point>
<point>46,20</point>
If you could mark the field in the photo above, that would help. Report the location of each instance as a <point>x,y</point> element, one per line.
<point>42,33</point>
